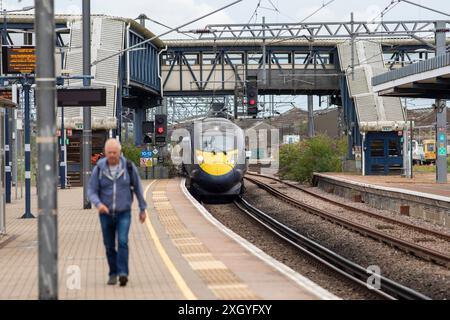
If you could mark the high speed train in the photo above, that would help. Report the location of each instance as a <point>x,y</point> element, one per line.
<point>214,158</point>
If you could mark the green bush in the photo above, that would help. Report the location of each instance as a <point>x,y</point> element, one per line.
<point>132,153</point>
<point>320,154</point>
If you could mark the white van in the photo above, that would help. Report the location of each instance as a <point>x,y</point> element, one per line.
<point>418,153</point>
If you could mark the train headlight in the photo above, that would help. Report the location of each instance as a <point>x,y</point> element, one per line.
<point>200,159</point>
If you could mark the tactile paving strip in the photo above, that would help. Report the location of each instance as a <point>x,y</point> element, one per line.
<point>219,279</point>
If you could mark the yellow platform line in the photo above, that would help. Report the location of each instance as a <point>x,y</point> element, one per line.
<point>187,292</point>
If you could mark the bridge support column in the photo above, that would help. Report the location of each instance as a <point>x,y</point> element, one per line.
<point>311,132</point>
<point>441,112</point>
<point>441,141</point>
<point>350,120</point>
<point>139,117</point>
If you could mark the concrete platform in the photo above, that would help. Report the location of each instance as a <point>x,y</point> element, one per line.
<point>179,253</point>
<point>82,266</point>
<point>420,197</point>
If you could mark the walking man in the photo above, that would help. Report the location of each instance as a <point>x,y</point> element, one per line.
<point>111,188</point>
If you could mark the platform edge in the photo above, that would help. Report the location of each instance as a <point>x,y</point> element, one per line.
<point>300,280</point>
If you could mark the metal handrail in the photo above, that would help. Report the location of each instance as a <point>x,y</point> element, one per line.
<point>419,67</point>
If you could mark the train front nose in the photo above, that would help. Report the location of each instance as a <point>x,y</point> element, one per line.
<point>215,183</point>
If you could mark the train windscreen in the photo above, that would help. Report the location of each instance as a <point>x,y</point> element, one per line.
<point>218,142</point>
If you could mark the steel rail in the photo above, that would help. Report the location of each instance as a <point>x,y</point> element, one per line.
<point>417,250</point>
<point>356,273</point>
<point>442,235</point>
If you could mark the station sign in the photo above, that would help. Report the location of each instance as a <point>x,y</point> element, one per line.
<point>146,154</point>
<point>146,162</point>
<point>146,159</point>
<point>18,60</point>
<point>82,97</point>
<point>6,94</point>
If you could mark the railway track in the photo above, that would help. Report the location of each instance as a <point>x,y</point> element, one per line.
<point>388,288</point>
<point>413,248</point>
<point>424,230</point>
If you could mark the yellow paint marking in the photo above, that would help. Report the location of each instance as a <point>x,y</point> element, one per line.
<point>188,294</point>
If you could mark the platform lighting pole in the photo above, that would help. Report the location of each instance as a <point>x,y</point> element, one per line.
<point>16,142</point>
<point>264,52</point>
<point>6,128</point>
<point>411,128</point>
<point>87,129</point>
<point>8,162</point>
<point>311,130</point>
<point>47,149</point>
<point>26,87</point>
<point>441,111</point>
<point>62,154</point>
<point>352,21</point>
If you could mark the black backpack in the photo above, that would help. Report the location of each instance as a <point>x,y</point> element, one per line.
<point>130,174</point>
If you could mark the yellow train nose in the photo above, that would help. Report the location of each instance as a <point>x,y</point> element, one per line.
<point>216,169</point>
<point>215,164</point>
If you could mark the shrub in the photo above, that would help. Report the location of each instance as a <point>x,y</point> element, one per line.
<point>132,153</point>
<point>320,154</point>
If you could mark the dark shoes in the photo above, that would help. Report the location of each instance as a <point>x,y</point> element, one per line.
<point>112,280</point>
<point>123,281</point>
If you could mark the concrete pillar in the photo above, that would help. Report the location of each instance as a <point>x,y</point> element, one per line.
<point>2,160</point>
<point>311,132</point>
<point>139,117</point>
<point>441,114</point>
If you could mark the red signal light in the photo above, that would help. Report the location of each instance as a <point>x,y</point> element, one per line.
<point>160,130</point>
<point>252,102</point>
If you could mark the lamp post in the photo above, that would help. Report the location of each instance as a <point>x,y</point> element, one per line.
<point>26,88</point>
<point>87,130</point>
<point>7,124</point>
<point>47,150</point>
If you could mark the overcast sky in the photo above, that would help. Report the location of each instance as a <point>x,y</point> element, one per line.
<point>176,12</point>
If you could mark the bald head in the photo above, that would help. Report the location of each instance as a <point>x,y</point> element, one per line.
<point>112,151</point>
<point>113,143</point>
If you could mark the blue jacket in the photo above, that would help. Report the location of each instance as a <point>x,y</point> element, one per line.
<point>115,193</point>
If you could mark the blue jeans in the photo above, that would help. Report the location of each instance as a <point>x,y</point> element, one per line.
<point>111,224</point>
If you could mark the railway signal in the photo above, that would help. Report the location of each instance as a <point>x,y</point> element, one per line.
<point>148,128</point>
<point>160,129</point>
<point>252,96</point>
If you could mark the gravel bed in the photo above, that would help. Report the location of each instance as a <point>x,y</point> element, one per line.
<point>423,276</point>
<point>392,229</point>
<point>412,220</point>
<point>246,227</point>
